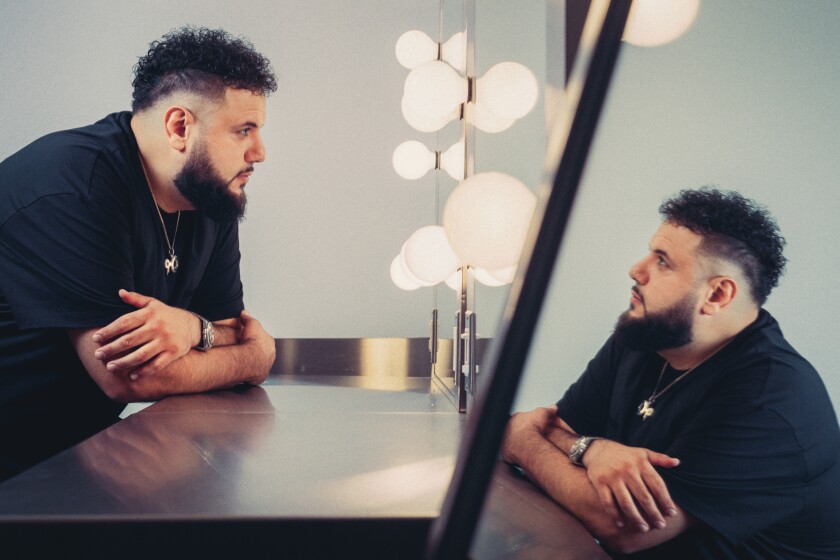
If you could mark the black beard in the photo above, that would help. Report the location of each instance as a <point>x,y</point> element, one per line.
<point>670,328</point>
<point>209,194</point>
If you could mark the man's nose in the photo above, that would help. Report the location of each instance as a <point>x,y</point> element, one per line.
<point>638,272</point>
<point>256,153</point>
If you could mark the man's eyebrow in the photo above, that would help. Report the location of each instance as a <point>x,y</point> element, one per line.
<point>661,252</point>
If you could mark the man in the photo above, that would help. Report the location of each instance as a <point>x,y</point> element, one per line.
<point>119,250</point>
<point>719,440</point>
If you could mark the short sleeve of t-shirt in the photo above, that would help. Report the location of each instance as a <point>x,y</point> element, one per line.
<point>63,247</point>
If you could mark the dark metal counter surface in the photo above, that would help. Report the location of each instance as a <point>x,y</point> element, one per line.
<point>298,468</point>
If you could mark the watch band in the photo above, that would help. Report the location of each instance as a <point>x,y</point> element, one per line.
<point>579,447</point>
<point>207,334</point>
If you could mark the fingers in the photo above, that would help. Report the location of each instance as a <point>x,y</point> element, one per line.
<point>159,363</point>
<point>140,354</point>
<point>641,495</point>
<point>628,486</point>
<point>124,324</point>
<point>627,505</point>
<point>135,299</point>
<point>127,322</point>
<point>662,460</point>
<point>605,494</point>
<point>660,493</point>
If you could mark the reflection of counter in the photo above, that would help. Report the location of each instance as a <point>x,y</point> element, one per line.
<point>292,469</point>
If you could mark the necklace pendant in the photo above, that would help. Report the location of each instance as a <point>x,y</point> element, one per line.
<point>171,264</point>
<point>645,410</point>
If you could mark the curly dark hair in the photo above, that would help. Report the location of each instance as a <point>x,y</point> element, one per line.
<point>199,60</point>
<point>733,228</point>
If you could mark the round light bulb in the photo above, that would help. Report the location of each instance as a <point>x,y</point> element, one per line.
<point>487,218</point>
<point>415,48</point>
<point>655,22</point>
<point>503,275</point>
<point>412,160</point>
<point>486,121</point>
<point>454,51</point>
<point>424,122</point>
<point>454,281</point>
<point>433,90</point>
<point>452,161</point>
<point>487,279</point>
<point>406,272</point>
<point>401,280</point>
<point>508,90</point>
<point>429,256</point>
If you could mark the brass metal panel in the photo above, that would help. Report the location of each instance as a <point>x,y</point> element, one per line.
<point>370,357</point>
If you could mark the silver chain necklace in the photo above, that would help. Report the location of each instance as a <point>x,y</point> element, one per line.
<point>170,264</point>
<point>645,409</point>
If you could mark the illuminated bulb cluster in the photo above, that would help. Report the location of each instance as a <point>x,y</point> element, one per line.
<point>487,215</point>
<point>435,91</point>
<point>485,222</point>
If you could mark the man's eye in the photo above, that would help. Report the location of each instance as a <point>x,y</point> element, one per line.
<point>661,262</point>
<point>245,131</point>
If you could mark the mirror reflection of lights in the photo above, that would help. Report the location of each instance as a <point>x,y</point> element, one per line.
<point>508,90</point>
<point>415,48</point>
<point>412,160</point>
<point>486,219</point>
<point>429,256</point>
<point>399,278</point>
<point>490,278</point>
<point>432,94</point>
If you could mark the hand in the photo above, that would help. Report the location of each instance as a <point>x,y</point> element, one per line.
<point>521,425</point>
<point>253,334</point>
<point>624,477</point>
<point>145,341</point>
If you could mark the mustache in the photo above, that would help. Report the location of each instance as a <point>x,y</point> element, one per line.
<point>635,290</point>
<point>249,169</point>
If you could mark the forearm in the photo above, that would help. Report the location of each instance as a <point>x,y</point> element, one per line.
<point>218,368</point>
<point>548,466</point>
<point>225,334</point>
<point>246,360</point>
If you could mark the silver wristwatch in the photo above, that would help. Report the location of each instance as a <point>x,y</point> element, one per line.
<point>579,447</point>
<point>207,334</point>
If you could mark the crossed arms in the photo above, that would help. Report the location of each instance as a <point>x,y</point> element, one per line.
<point>618,495</point>
<point>148,353</point>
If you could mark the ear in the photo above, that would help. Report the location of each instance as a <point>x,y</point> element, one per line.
<point>721,293</point>
<point>178,122</point>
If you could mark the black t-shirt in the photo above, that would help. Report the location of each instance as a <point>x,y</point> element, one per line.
<point>77,223</point>
<point>756,435</point>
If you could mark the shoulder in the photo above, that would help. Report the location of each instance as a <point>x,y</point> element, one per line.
<point>762,354</point>
<point>69,162</point>
<point>766,375</point>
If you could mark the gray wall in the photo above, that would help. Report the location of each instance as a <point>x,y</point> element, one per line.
<point>746,100</point>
